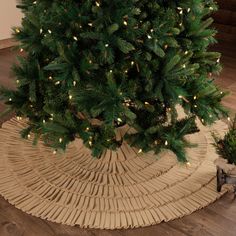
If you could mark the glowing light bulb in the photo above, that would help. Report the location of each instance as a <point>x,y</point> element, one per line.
<point>140,150</point>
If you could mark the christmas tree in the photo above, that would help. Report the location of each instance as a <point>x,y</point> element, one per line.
<point>92,66</point>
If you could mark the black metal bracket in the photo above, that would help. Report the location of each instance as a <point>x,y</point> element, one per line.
<point>223,178</point>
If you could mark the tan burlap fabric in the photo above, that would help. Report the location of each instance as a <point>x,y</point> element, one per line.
<point>121,190</point>
<point>229,169</point>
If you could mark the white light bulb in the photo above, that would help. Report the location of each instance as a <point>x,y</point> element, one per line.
<point>140,150</point>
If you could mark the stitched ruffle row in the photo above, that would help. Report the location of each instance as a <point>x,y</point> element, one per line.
<point>123,189</point>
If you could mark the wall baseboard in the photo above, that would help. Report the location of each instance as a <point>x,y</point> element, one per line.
<point>7,43</point>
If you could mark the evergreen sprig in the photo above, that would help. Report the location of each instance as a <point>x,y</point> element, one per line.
<point>226,146</point>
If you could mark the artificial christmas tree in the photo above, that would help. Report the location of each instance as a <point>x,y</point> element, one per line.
<point>92,66</point>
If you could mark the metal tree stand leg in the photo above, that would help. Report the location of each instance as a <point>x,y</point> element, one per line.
<point>223,178</point>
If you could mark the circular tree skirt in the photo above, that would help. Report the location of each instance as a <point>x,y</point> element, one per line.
<point>123,189</point>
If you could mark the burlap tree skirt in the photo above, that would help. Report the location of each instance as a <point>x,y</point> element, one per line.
<point>121,190</point>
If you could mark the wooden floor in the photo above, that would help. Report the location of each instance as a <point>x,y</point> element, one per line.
<point>218,219</point>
